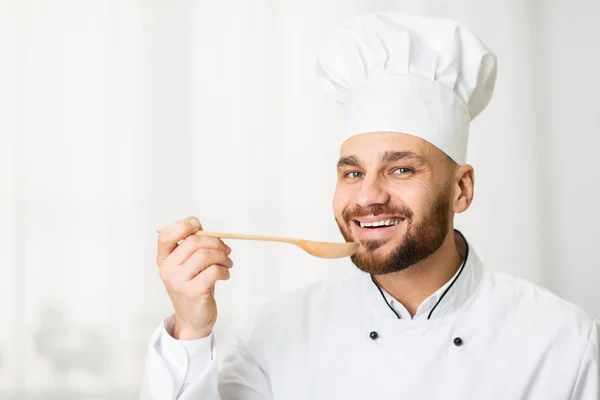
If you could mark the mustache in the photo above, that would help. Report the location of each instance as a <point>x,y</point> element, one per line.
<point>375,210</point>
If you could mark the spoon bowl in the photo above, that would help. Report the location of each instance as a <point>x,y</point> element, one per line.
<point>328,249</point>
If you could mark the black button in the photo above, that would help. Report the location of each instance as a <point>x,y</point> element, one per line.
<point>458,341</point>
<point>373,335</point>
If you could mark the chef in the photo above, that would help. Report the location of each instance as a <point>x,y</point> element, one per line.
<point>421,318</point>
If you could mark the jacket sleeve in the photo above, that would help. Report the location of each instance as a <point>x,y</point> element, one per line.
<point>187,370</point>
<point>587,386</point>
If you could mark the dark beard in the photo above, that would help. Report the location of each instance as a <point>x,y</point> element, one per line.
<point>420,241</point>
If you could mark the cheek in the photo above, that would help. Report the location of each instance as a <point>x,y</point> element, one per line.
<point>341,199</point>
<point>337,203</point>
<point>416,195</point>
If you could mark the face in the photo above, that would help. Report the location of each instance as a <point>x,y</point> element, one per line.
<point>394,196</point>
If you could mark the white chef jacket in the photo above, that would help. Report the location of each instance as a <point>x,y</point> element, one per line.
<point>483,335</point>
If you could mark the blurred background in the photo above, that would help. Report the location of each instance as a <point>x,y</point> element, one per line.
<point>119,117</point>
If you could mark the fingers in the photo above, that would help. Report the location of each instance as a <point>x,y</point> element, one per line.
<point>192,243</point>
<point>172,234</point>
<point>205,282</point>
<point>203,259</point>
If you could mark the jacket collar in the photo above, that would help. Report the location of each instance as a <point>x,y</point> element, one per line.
<point>444,302</point>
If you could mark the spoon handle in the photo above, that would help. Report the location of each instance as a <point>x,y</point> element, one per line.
<point>223,235</point>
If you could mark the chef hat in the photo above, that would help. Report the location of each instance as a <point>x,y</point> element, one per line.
<point>423,76</point>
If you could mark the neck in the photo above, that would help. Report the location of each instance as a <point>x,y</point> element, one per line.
<point>414,284</point>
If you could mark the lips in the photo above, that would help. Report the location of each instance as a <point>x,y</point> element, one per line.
<point>377,224</point>
<point>378,218</point>
<point>377,228</point>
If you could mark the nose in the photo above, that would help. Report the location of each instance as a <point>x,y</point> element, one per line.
<point>372,191</point>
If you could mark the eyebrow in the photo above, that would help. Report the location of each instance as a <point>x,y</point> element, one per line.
<point>392,156</point>
<point>387,157</point>
<point>349,161</point>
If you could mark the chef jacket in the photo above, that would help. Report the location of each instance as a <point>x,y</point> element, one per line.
<point>483,335</point>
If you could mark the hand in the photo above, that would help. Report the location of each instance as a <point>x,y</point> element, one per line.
<point>189,271</point>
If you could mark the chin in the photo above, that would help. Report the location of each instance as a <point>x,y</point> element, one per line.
<point>375,262</point>
<point>381,248</point>
<point>375,265</point>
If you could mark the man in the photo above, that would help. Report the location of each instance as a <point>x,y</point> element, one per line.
<point>422,318</point>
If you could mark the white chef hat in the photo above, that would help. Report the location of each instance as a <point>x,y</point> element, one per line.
<point>423,76</point>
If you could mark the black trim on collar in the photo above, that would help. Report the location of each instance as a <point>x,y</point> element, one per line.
<point>384,299</point>
<point>462,267</point>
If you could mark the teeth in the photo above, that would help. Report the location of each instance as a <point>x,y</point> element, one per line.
<point>379,223</point>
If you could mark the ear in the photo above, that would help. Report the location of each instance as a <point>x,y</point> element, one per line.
<point>464,179</point>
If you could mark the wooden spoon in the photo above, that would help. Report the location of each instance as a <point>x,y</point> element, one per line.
<point>317,249</point>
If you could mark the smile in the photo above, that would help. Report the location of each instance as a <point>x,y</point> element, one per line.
<point>377,224</point>
<point>381,227</point>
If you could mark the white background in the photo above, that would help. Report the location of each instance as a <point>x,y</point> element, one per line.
<point>118,117</point>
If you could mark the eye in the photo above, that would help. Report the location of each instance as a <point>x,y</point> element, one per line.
<point>403,171</point>
<point>353,174</point>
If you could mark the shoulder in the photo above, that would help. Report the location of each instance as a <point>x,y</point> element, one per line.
<point>525,300</point>
<point>318,295</point>
<point>302,307</point>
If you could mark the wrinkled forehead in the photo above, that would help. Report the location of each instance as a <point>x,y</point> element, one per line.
<point>368,146</point>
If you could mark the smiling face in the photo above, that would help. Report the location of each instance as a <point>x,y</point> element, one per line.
<point>396,195</point>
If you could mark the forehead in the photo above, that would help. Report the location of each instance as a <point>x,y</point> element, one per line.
<point>370,145</point>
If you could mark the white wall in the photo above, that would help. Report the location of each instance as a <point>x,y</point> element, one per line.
<point>118,117</point>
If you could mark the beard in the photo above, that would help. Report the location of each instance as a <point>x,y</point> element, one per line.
<point>420,241</point>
